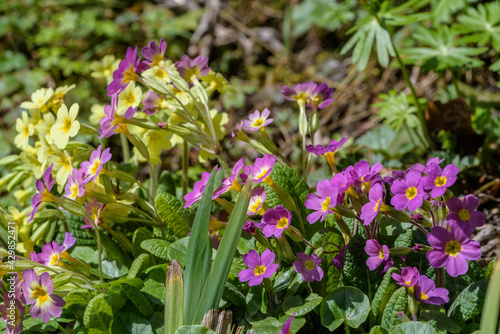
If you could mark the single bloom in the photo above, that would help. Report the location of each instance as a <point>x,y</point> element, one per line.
<point>38,292</point>
<point>452,249</point>
<point>231,182</point>
<point>300,92</point>
<point>408,192</point>
<point>129,98</point>
<point>463,212</point>
<point>153,55</point>
<point>256,201</point>
<point>342,181</point>
<point>24,129</point>
<point>93,209</point>
<point>91,169</point>
<point>262,168</point>
<point>338,260</point>
<point>188,67</point>
<point>371,209</point>
<point>426,292</point>
<point>409,277</point>
<point>275,221</point>
<point>75,187</point>
<point>331,148</point>
<point>66,125</point>
<point>321,97</point>
<point>112,123</point>
<point>153,103</point>
<point>257,120</point>
<point>377,255</point>
<point>438,180</point>
<point>44,187</point>
<point>12,313</point>
<point>125,73</point>
<point>51,254</point>
<point>323,203</point>
<point>260,267</point>
<point>309,267</point>
<point>362,173</point>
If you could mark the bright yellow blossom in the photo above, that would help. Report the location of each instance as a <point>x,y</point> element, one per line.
<point>63,166</point>
<point>57,99</point>
<point>39,100</point>
<point>156,141</point>
<point>130,97</point>
<point>25,129</point>
<point>104,69</point>
<point>66,125</point>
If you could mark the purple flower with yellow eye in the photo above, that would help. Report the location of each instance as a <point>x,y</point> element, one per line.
<point>257,120</point>
<point>76,186</point>
<point>320,97</point>
<point>152,103</point>
<point>408,192</point>
<point>362,173</point>
<point>262,168</point>
<point>371,209</point>
<point>421,168</point>
<point>125,73</point>
<point>341,181</point>
<point>323,203</point>
<point>111,123</point>
<point>38,292</point>
<point>198,189</point>
<point>51,252</point>
<point>275,221</point>
<point>426,292</point>
<point>12,313</point>
<point>309,267</point>
<point>93,209</point>
<point>153,53</point>
<point>231,182</point>
<point>377,255</point>
<point>409,277</point>
<point>256,200</point>
<point>463,213</point>
<point>93,167</point>
<point>260,267</point>
<point>452,249</point>
<point>329,151</point>
<point>188,67</point>
<point>300,92</point>
<point>44,194</point>
<point>438,180</point>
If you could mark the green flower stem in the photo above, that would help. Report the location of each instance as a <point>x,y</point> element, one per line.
<point>61,328</point>
<point>154,180</point>
<point>347,329</point>
<point>125,148</point>
<point>420,112</point>
<point>185,167</point>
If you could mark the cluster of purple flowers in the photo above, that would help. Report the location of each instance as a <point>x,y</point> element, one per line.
<point>422,287</point>
<point>309,94</point>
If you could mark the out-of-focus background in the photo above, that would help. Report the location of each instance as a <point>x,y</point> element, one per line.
<point>260,46</point>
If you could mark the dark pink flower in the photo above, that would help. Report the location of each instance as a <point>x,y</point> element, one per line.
<point>231,182</point>
<point>395,175</point>
<point>256,200</point>
<point>463,213</point>
<point>93,209</point>
<point>286,326</point>
<point>362,173</point>
<point>320,97</point>
<point>112,122</point>
<point>408,192</point>
<point>371,209</point>
<point>262,168</point>
<point>260,267</point>
<point>91,169</point>
<point>309,267</point>
<point>125,73</point>
<point>426,292</point>
<point>38,294</point>
<point>275,221</point>
<point>198,189</point>
<point>377,255</point>
<point>153,53</point>
<point>409,277</point>
<point>189,67</point>
<point>300,92</point>
<point>439,180</point>
<point>249,227</point>
<point>452,249</point>
<point>323,203</point>
<point>257,120</point>
<point>333,147</point>
<point>75,187</point>
<point>44,194</point>
<point>342,181</point>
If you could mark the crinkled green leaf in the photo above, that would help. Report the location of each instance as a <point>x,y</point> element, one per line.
<point>172,213</point>
<point>157,247</point>
<point>397,303</point>
<point>138,299</point>
<point>413,327</point>
<point>379,302</point>
<point>139,264</point>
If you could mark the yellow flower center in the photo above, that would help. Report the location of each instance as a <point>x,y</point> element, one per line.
<point>302,97</point>
<point>262,172</point>
<point>54,259</point>
<point>408,282</point>
<point>74,190</point>
<point>130,99</point>
<point>41,294</point>
<point>282,223</point>
<point>129,75</point>
<point>236,186</point>
<point>326,204</point>
<point>440,181</point>
<point>67,125</point>
<point>453,248</point>
<point>381,253</point>
<point>258,122</point>
<point>309,265</point>
<point>190,72</point>
<point>423,296</point>
<point>464,215</point>
<point>255,206</point>
<point>26,131</point>
<point>411,192</point>
<point>259,270</point>
<point>156,60</point>
<point>375,208</point>
<point>95,166</point>
<point>160,73</point>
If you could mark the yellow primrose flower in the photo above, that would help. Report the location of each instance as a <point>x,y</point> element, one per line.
<point>66,125</point>
<point>63,166</point>
<point>217,82</point>
<point>156,141</point>
<point>137,130</point>
<point>97,111</point>
<point>43,151</point>
<point>104,69</point>
<point>43,127</point>
<point>157,74</point>
<point>130,97</point>
<point>25,129</point>
<point>219,119</point>
<point>39,100</point>
<point>57,99</point>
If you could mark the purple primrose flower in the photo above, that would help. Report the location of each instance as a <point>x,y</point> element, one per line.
<point>438,180</point>
<point>257,120</point>
<point>409,277</point>
<point>125,73</point>
<point>12,313</point>
<point>260,267</point>
<point>91,169</point>
<point>309,267</point>
<point>44,194</point>
<point>371,209</point>
<point>320,97</point>
<point>153,54</point>
<point>408,192</point>
<point>463,213</point>
<point>323,203</point>
<point>377,255</point>
<point>231,182</point>
<point>275,221</point>
<point>188,67</point>
<point>426,292</point>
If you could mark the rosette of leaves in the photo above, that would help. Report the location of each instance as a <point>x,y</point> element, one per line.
<point>443,10</point>
<point>443,50</point>
<point>397,110</point>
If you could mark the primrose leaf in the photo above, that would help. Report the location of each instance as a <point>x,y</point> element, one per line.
<point>384,292</point>
<point>309,304</point>
<point>397,303</point>
<point>413,327</point>
<point>157,247</point>
<point>173,214</point>
<point>194,329</point>
<point>469,302</point>
<point>345,304</point>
